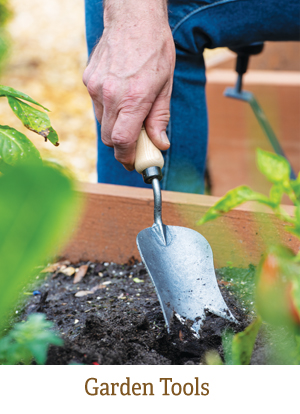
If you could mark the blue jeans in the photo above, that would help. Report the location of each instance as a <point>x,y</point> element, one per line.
<point>195,25</point>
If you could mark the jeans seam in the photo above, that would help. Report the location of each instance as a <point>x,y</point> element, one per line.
<point>209,6</point>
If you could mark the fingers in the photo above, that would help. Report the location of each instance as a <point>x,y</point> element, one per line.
<point>157,121</point>
<point>125,133</point>
<point>98,111</point>
<point>110,94</point>
<point>122,114</point>
<point>95,90</point>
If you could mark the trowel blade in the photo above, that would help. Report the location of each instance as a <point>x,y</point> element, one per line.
<point>182,271</point>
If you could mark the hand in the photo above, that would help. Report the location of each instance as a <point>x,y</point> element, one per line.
<point>130,75</point>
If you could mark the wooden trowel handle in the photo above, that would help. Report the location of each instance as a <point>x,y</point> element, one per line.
<point>147,154</point>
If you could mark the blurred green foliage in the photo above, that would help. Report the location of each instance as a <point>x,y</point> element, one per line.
<point>276,288</point>
<point>277,170</point>
<point>36,210</point>
<point>28,340</point>
<point>5,12</point>
<point>238,348</point>
<point>38,206</point>
<point>5,15</point>
<point>241,282</point>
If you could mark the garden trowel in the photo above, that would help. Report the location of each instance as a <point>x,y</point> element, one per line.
<point>179,260</point>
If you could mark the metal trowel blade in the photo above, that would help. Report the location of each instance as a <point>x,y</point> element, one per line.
<point>182,270</point>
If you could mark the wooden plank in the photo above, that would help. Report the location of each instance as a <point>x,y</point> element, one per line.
<point>255,77</point>
<point>114,215</point>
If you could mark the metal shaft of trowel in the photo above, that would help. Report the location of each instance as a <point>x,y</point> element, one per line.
<point>153,175</point>
<point>157,207</point>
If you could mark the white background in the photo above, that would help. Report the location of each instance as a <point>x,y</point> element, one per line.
<point>233,389</point>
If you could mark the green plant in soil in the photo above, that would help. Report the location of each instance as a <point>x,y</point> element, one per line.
<point>241,282</point>
<point>28,341</point>
<point>38,206</point>
<point>276,287</point>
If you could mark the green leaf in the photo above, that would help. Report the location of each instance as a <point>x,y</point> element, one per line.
<point>8,91</point>
<point>53,137</point>
<point>297,214</point>
<point>212,357</point>
<point>276,193</point>
<point>34,119</point>
<point>243,343</point>
<point>294,230</point>
<point>231,200</point>
<point>241,283</point>
<point>28,340</point>
<point>37,208</point>
<point>137,280</point>
<point>295,184</point>
<point>15,149</point>
<point>275,167</point>
<point>295,293</point>
<point>227,339</point>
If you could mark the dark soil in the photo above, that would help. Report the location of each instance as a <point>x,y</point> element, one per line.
<point>122,322</point>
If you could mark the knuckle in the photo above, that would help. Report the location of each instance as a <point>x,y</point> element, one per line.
<point>160,115</point>
<point>93,87</point>
<point>140,94</point>
<point>107,142</point>
<point>108,89</point>
<point>85,77</point>
<point>125,160</point>
<point>135,106</point>
<point>105,138</point>
<point>163,115</point>
<point>121,140</point>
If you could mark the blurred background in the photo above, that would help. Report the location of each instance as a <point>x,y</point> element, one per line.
<point>46,60</point>
<point>47,56</point>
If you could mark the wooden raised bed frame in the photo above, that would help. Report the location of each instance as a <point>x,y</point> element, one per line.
<point>114,215</point>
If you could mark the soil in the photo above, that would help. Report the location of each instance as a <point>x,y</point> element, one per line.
<point>121,322</point>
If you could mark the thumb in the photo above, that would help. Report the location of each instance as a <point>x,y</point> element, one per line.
<point>157,121</point>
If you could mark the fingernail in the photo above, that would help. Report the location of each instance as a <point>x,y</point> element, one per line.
<point>164,138</point>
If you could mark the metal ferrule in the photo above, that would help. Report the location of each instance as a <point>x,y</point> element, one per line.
<point>150,173</point>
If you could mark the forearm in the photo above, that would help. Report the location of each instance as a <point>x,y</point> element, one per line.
<point>113,9</point>
<point>136,16</point>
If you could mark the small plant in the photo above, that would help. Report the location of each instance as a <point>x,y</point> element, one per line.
<point>28,340</point>
<point>15,147</point>
<point>277,170</point>
<point>276,290</point>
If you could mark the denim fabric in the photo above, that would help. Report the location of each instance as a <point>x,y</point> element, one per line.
<point>195,25</point>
